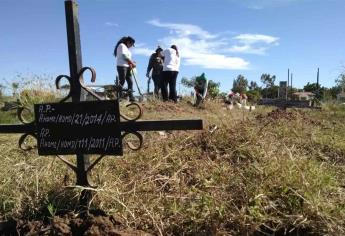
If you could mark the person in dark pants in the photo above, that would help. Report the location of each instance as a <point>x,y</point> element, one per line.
<point>171,68</point>
<point>125,64</point>
<point>156,65</point>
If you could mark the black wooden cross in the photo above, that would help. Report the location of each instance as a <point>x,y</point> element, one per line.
<point>81,127</point>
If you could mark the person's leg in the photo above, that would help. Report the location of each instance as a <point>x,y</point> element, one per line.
<point>155,79</point>
<point>172,86</point>
<point>198,97</point>
<point>122,74</point>
<point>121,77</point>
<point>164,84</point>
<point>197,101</point>
<point>160,84</point>
<point>130,84</point>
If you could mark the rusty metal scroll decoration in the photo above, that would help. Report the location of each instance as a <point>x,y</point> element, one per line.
<point>130,144</point>
<point>23,140</point>
<point>57,83</point>
<point>118,89</point>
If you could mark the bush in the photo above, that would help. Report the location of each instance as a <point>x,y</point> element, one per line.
<point>254,96</point>
<point>29,97</point>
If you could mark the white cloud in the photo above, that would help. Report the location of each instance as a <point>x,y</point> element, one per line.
<point>198,47</point>
<point>253,43</point>
<point>183,29</point>
<point>256,38</point>
<point>217,61</point>
<point>247,49</point>
<point>142,51</point>
<point>111,24</point>
<point>261,4</point>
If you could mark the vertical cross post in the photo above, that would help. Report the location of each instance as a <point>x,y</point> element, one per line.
<point>75,65</point>
<point>287,87</point>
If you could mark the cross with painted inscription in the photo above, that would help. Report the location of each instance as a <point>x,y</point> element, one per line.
<point>85,127</point>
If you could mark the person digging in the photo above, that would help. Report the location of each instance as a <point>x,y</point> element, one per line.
<point>200,87</point>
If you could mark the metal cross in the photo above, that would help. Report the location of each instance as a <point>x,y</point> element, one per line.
<point>76,95</point>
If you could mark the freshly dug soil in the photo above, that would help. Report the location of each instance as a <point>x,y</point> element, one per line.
<point>69,225</point>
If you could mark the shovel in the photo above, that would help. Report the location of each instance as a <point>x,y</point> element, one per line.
<point>141,98</point>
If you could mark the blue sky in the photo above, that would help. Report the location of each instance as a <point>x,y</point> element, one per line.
<point>223,38</point>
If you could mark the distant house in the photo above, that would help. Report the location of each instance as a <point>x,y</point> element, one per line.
<point>303,96</point>
<point>341,97</point>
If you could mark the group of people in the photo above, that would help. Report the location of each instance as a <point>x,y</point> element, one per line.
<point>164,66</point>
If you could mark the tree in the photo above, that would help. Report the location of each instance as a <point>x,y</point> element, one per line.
<point>327,94</point>
<point>2,87</point>
<point>189,83</point>
<point>271,92</point>
<point>318,90</point>
<point>240,84</point>
<point>213,89</point>
<point>15,87</point>
<point>340,81</point>
<point>314,88</point>
<point>334,91</point>
<point>268,80</point>
<point>254,95</point>
<point>311,87</point>
<point>253,85</point>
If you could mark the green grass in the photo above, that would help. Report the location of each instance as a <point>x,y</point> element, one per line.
<point>259,171</point>
<point>8,117</point>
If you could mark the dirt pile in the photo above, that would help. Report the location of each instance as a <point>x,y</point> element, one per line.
<point>293,115</point>
<point>69,225</point>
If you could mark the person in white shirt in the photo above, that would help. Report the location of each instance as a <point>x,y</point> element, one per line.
<point>171,68</point>
<point>125,64</point>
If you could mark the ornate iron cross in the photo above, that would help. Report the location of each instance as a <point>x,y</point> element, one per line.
<point>102,117</point>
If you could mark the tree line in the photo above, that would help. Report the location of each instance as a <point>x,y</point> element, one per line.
<point>269,89</point>
<point>241,84</point>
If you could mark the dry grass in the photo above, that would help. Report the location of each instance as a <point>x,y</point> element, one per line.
<point>260,171</point>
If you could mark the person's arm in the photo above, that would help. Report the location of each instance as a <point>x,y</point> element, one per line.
<point>130,62</point>
<point>149,67</point>
<point>205,89</point>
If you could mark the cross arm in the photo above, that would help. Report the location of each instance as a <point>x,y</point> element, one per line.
<point>26,128</point>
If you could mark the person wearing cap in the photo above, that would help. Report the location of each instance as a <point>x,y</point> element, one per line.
<point>171,68</point>
<point>156,66</point>
<point>125,64</point>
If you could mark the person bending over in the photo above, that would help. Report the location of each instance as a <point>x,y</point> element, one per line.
<point>200,87</point>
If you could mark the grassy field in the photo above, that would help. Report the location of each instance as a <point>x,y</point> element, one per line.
<point>262,171</point>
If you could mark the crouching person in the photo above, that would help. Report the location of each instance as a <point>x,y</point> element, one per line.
<point>200,87</point>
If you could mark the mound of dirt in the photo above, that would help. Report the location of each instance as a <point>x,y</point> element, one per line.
<point>277,115</point>
<point>167,106</point>
<point>69,225</point>
<point>293,115</point>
